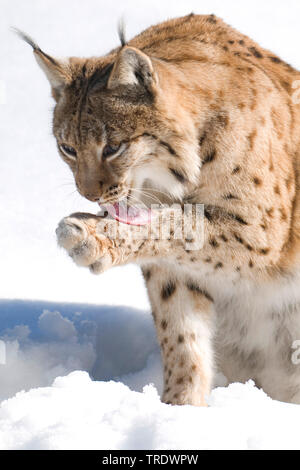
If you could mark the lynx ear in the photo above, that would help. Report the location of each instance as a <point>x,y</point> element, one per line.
<point>133,67</point>
<point>56,71</point>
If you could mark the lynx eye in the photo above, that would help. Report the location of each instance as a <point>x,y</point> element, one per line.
<point>110,150</point>
<point>68,150</point>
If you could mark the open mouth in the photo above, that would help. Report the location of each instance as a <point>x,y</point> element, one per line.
<point>131,215</point>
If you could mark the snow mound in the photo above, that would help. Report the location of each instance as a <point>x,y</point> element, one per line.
<point>77,413</point>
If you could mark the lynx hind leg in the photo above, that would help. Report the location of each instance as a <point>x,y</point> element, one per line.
<point>271,358</point>
<point>280,378</point>
<point>183,315</point>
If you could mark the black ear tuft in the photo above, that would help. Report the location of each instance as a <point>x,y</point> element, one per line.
<point>26,38</point>
<point>56,71</point>
<point>122,32</point>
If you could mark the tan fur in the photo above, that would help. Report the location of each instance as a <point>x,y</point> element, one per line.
<point>206,116</point>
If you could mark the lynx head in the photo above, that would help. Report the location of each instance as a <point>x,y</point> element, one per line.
<point>116,127</point>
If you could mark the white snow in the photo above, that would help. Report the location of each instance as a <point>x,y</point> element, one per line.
<point>59,323</point>
<point>77,413</point>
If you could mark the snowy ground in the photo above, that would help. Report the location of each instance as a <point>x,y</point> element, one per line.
<point>55,318</point>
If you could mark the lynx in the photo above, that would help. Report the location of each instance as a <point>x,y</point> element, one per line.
<point>190,111</point>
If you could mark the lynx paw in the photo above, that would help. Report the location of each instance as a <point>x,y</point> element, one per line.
<point>79,236</point>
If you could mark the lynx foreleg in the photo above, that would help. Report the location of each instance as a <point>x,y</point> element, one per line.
<point>183,315</point>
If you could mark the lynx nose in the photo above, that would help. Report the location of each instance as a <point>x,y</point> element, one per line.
<point>92,197</point>
<point>93,193</point>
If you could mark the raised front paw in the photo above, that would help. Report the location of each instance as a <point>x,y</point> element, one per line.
<point>80,234</point>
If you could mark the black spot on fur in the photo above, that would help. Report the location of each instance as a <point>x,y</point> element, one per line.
<point>168,290</point>
<point>276,60</point>
<point>179,176</point>
<point>189,240</point>
<point>141,245</point>
<point>255,52</point>
<point>213,242</point>
<point>210,157</point>
<point>168,147</point>
<point>238,219</point>
<point>212,19</point>
<point>257,181</point>
<point>208,215</point>
<point>238,238</point>
<point>219,266</point>
<point>202,138</point>
<point>194,288</point>
<point>264,251</point>
<point>230,196</point>
<point>224,238</point>
<point>147,274</point>
<point>236,170</point>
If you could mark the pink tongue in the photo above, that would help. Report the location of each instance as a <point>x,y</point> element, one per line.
<point>128,215</point>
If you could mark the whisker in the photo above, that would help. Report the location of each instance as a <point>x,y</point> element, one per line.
<point>161,192</point>
<point>63,185</point>
<point>136,202</point>
<point>157,191</point>
<point>144,191</point>
<point>72,193</point>
<point>148,195</point>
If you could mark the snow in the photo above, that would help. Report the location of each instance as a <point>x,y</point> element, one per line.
<point>63,327</point>
<point>77,413</point>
